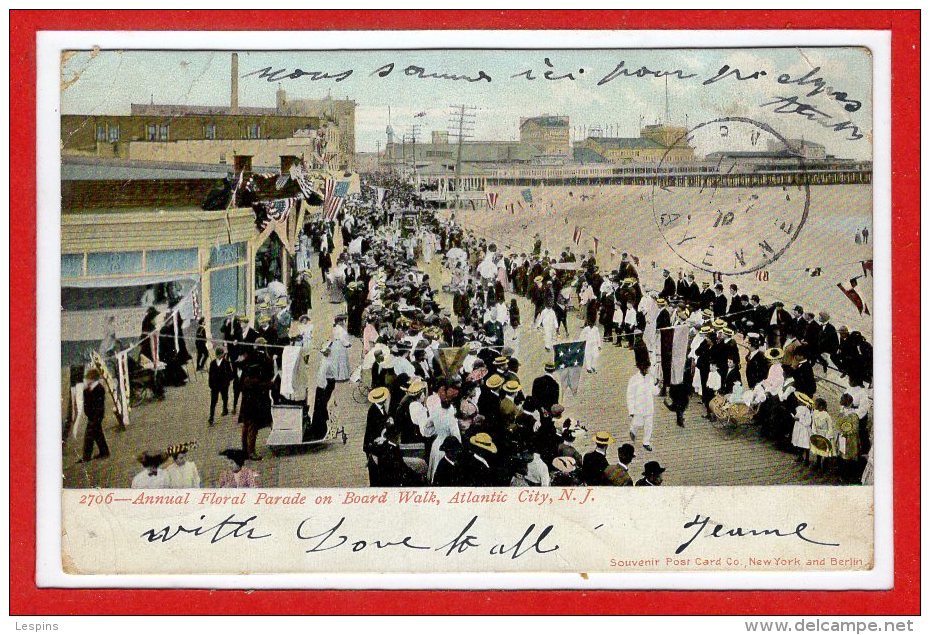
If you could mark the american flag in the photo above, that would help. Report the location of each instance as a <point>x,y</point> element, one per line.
<point>299,174</point>
<point>576,237</point>
<point>334,194</point>
<point>276,211</point>
<point>492,199</point>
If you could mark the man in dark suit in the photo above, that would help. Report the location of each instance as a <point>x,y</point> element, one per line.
<point>377,420</point>
<point>668,285</point>
<point>829,342</point>
<point>94,410</point>
<point>720,301</point>
<point>220,375</point>
<point>255,414</point>
<point>595,462</point>
<point>546,388</point>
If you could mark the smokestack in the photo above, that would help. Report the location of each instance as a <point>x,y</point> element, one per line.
<point>234,85</point>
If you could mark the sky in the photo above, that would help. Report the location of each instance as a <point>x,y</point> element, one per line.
<point>107,82</point>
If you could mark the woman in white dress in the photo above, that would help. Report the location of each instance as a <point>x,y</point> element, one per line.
<point>592,349</point>
<point>339,350</point>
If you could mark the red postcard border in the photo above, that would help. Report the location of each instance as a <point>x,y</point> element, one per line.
<point>904,598</point>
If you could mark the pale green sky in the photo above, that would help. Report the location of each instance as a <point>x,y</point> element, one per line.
<point>107,82</point>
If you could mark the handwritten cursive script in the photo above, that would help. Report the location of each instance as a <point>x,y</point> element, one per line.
<point>701,523</point>
<point>530,540</point>
<point>230,527</point>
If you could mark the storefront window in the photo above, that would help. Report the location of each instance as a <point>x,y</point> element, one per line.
<point>72,265</point>
<point>169,260</point>
<point>114,263</point>
<point>227,254</point>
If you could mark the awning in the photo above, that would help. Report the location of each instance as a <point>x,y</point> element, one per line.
<point>136,281</point>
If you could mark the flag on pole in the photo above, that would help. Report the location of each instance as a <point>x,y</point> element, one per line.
<point>492,199</point>
<point>762,276</point>
<point>854,296</point>
<point>569,358</point>
<point>300,175</point>
<point>576,236</point>
<point>334,193</point>
<point>813,272</point>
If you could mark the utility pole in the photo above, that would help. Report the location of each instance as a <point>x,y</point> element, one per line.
<point>462,121</point>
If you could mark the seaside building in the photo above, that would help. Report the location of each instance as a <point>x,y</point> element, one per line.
<point>655,143</point>
<point>321,132</point>
<point>549,136</point>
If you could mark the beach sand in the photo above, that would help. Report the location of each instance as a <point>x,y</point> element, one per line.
<point>621,218</point>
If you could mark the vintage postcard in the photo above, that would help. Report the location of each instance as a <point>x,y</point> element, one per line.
<point>552,306</point>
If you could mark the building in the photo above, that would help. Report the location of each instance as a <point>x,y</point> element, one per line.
<point>655,143</point>
<point>798,147</point>
<point>549,136</point>
<point>321,132</point>
<point>441,156</point>
<point>135,231</point>
<point>339,111</point>
<point>182,134</point>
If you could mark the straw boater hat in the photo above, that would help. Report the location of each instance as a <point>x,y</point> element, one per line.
<point>719,324</point>
<point>500,360</point>
<point>512,387</point>
<point>415,387</point>
<point>230,312</point>
<point>565,464</point>
<point>538,279</point>
<point>378,395</point>
<point>727,331</point>
<point>483,440</point>
<point>661,301</point>
<point>603,438</point>
<point>281,302</point>
<point>708,313</point>
<point>494,381</point>
<point>707,329</point>
<point>805,399</point>
<point>549,367</point>
<point>774,353</point>
<point>180,448</point>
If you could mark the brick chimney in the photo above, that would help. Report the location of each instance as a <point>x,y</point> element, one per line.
<point>234,85</point>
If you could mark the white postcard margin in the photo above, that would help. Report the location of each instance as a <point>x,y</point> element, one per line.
<point>49,571</point>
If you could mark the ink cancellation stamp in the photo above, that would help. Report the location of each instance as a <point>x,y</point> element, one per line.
<point>335,306</point>
<point>728,216</point>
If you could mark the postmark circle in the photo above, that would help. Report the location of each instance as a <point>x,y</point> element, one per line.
<point>741,205</point>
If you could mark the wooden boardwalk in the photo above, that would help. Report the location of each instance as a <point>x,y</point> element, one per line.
<point>701,453</point>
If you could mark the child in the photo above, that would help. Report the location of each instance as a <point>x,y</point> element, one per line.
<point>822,424</point>
<point>847,425</point>
<point>801,434</point>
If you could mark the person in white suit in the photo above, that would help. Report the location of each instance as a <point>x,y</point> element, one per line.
<point>592,349</point>
<point>641,391</point>
<point>548,321</point>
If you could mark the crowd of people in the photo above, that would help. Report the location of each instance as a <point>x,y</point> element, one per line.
<point>450,403</point>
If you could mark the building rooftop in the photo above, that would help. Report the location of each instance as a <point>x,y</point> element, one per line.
<point>180,110</point>
<point>78,168</point>
<point>626,142</point>
<point>547,121</point>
